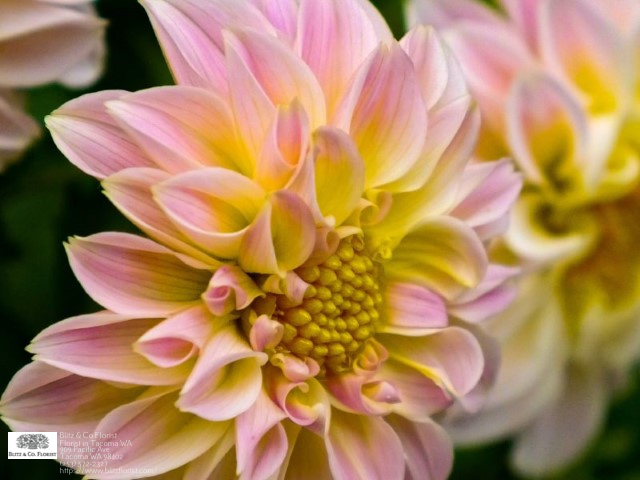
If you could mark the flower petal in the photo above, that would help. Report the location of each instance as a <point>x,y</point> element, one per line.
<point>134,276</point>
<point>181,128</point>
<point>90,138</point>
<point>99,346</point>
<point>336,157</point>
<point>451,357</point>
<point>327,28</point>
<point>42,398</point>
<point>40,41</point>
<point>17,129</point>
<point>227,379</point>
<point>230,289</point>
<point>412,309</point>
<point>385,115</point>
<point>130,191</point>
<point>428,449</point>
<point>176,339</point>
<point>161,437</point>
<point>281,237</point>
<point>443,254</point>
<point>360,446</point>
<point>261,442</point>
<point>212,206</point>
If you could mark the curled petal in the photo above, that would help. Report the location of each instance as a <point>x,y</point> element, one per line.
<point>176,339</point>
<point>305,403</point>
<point>281,237</point>
<point>442,254</point>
<point>130,190</point>
<point>451,357</point>
<point>100,346</point>
<point>336,157</point>
<point>230,289</point>
<point>134,276</point>
<point>226,380</point>
<point>358,394</point>
<point>90,138</point>
<point>265,333</point>
<point>296,369</point>
<point>17,129</point>
<point>211,206</point>
<point>261,441</point>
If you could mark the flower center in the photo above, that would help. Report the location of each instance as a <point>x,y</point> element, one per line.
<point>340,311</point>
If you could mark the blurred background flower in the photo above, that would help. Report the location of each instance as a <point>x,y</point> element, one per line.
<point>559,94</point>
<point>45,199</point>
<point>43,41</point>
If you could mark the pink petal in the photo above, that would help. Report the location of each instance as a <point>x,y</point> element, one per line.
<point>488,191</point>
<point>359,446</point>
<point>412,309</point>
<point>161,437</point>
<point>230,289</point>
<point>41,42</point>
<point>176,339</point>
<point>428,449</point>
<point>491,296</point>
<point>281,74</point>
<point>452,357</point>
<point>190,32</point>
<point>42,398</point>
<point>362,395</point>
<point>525,13</point>
<point>212,207</point>
<point>584,46</point>
<point>261,442</point>
<point>90,138</point>
<point>420,397</point>
<point>100,346</point>
<point>295,369</point>
<point>280,238</point>
<point>265,333</point>
<point>305,403</point>
<point>17,129</point>
<point>283,15</point>
<point>446,13</point>
<point>134,276</point>
<point>385,115</point>
<point>334,39</point>
<point>565,428</point>
<point>541,108</point>
<point>227,379</point>
<point>181,128</point>
<point>130,191</point>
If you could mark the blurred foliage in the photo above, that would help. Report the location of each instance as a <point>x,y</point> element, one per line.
<point>44,200</point>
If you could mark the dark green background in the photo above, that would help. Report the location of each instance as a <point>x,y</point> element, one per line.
<point>44,200</point>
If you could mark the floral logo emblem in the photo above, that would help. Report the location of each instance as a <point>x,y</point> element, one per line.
<point>32,441</point>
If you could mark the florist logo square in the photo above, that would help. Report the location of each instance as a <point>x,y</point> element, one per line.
<point>32,445</point>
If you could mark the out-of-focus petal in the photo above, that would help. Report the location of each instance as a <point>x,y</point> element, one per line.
<point>227,379</point>
<point>412,309</point>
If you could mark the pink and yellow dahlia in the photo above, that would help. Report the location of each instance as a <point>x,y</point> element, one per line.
<point>317,258</point>
<point>43,41</point>
<point>558,85</point>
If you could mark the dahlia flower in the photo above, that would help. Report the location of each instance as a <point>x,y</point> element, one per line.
<point>561,95</point>
<point>42,41</point>
<point>317,255</point>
